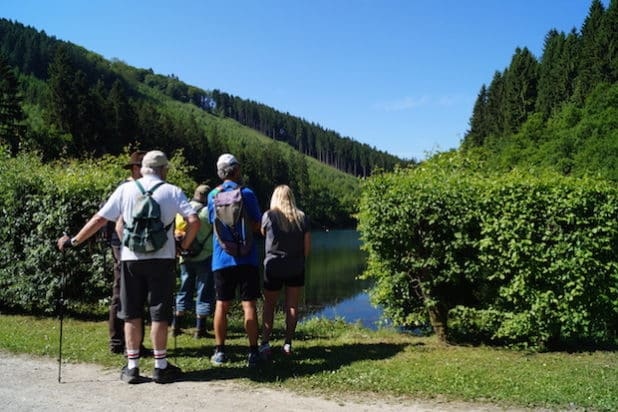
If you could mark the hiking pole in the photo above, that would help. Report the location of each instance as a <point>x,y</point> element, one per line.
<point>174,333</point>
<point>61,316</point>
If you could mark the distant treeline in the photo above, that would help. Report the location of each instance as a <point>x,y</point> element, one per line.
<point>64,101</point>
<point>33,52</point>
<point>558,110</point>
<point>311,139</point>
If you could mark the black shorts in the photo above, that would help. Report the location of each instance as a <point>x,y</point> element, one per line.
<point>151,280</point>
<point>273,281</point>
<point>244,277</point>
<point>279,272</point>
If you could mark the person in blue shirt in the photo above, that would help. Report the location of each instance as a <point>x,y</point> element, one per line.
<point>232,273</point>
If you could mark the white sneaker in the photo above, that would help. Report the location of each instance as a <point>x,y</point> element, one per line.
<point>287,349</point>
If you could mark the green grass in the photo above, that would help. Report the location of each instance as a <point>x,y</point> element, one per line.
<point>332,358</point>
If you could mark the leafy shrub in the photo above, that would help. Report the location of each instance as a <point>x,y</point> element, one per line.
<point>514,258</point>
<point>37,203</point>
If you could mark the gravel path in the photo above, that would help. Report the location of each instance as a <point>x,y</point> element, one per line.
<point>32,385</point>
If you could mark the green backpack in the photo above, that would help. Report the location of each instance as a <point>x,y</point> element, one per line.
<point>146,232</point>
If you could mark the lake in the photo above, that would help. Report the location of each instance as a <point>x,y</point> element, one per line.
<point>332,288</point>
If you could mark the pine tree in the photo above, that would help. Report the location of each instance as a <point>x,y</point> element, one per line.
<point>496,105</point>
<point>593,67</point>
<point>478,123</point>
<point>11,113</point>
<point>121,119</point>
<point>611,40</point>
<point>551,91</point>
<point>61,103</point>
<point>520,89</point>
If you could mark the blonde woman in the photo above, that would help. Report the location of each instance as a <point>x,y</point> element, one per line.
<point>288,242</point>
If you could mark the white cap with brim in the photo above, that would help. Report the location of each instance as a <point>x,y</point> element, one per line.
<point>154,158</point>
<point>226,160</point>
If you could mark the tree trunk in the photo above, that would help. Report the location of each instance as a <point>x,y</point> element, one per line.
<point>437,317</point>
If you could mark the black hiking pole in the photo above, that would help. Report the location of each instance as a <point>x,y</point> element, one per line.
<point>173,327</point>
<point>61,316</point>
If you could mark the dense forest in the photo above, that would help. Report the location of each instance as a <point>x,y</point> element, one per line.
<point>310,139</point>
<point>560,110</point>
<point>90,82</point>
<point>62,101</point>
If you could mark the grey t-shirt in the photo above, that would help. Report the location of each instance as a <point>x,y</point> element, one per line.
<point>285,251</point>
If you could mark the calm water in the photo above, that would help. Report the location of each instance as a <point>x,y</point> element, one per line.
<point>331,285</point>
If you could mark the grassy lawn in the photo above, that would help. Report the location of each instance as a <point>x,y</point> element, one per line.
<point>331,357</point>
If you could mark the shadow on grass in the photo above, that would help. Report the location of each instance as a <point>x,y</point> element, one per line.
<point>306,360</point>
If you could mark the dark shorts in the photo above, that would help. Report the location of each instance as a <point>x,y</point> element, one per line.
<point>244,277</point>
<point>151,280</point>
<point>283,272</point>
<point>273,281</point>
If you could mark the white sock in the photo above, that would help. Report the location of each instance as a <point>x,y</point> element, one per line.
<point>160,357</point>
<point>133,358</point>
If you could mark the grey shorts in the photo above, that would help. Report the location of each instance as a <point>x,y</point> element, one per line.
<point>151,281</point>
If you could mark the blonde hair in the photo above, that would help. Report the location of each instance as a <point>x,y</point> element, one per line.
<point>288,214</point>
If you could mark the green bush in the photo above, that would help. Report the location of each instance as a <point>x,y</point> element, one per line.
<point>37,203</point>
<point>517,258</point>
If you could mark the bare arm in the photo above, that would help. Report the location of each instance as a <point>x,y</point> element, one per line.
<point>119,227</point>
<point>95,223</point>
<point>307,243</point>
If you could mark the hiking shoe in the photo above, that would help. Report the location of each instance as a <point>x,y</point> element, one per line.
<point>253,359</point>
<point>130,375</point>
<point>287,349</point>
<point>167,375</point>
<point>265,351</point>
<point>218,359</point>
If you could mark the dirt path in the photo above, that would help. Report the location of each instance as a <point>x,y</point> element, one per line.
<point>31,384</point>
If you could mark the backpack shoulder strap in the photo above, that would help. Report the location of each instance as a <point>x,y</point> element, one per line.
<point>155,187</point>
<point>140,187</point>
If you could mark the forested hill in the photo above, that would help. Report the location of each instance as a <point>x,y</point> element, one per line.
<point>62,101</point>
<point>310,139</point>
<point>32,52</point>
<point>559,110</point>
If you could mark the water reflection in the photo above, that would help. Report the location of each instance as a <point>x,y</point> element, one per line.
<point>331,286</point>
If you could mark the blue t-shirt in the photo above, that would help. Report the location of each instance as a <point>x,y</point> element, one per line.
<point>220,259</point>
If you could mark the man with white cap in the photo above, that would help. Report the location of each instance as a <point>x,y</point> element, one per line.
<point>235,271</point>
<point>145,276</point>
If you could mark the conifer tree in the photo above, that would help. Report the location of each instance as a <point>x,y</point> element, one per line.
<point>11,113</point>
<point>496,104</point>
<point>478,123</point>
<point>61,97</point>
<point>520,88</point>
<point>551,90</point>
<point>611,40</point>
<point>593,62</point>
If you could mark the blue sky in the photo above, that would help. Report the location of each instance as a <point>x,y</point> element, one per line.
<point>399,75</point>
